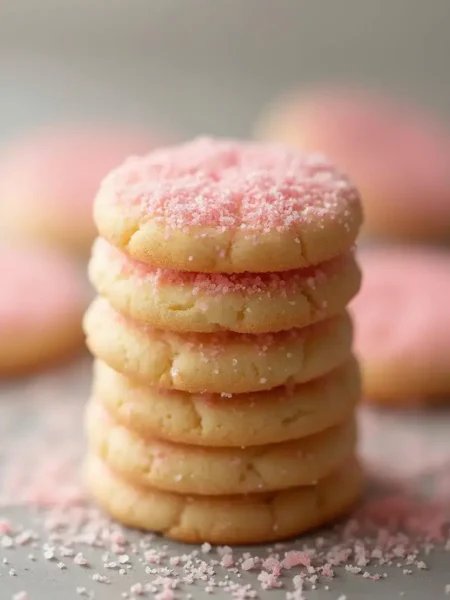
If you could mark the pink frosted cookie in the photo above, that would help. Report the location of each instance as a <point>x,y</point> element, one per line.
<point>229,207</point>
<point>398,158</point>
<point>42,298</point>
<point>402,323</point>
<point>48,181</point>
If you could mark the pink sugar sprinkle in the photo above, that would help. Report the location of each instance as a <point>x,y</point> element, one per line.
<point>80,560</point>
<point>153,558</point>
<point>269,581</point>
<point>272,564</point>
<point>206,548</point>
<point>118,538</point>
<point>295,595</point>
<point>100,578</point>
<point>295,558</point>
<point>227,561</point>
<point>24,538</point>
<point>248,564</point>
<point>218,284</point>
<point>137,589</point>
<point>21,596</point>
<point>5,526</point>
<point>166,594</point>
<point>229,185</point>
<point>327,571</point>
<point>124,559</point>
<point>49,554</point>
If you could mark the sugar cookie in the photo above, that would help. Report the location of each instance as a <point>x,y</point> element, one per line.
<point>261,418</point>
<point>48,181</point>
<point>42,299</point>
<point>228,207</point>
<point>398,157</point>
<point>226,519</point>
<point>402,323</point>
<point>216,362</point>
<point>248,303</point>
<point>191,469</point>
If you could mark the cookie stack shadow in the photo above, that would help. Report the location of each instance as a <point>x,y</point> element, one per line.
<point>223,405</point>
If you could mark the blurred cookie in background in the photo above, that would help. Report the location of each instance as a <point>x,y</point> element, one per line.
<point>42,298</point>
<point>48,180</point>
<point>402,325</point>
<point>398,157</point>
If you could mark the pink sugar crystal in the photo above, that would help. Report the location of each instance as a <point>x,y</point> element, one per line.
<point>218,284</point>
<point>230,185</point>
<point>248,564</point>
<point>137,589</point>
<point>327,571</point>
<point>269,581</point>
<point>166,594</point>
<point>227,561</point>
<point>295,558</point>
<point>5,526</point>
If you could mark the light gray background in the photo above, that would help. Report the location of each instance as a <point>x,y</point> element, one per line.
<point>208,66</point>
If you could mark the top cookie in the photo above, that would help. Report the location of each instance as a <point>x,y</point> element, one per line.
<point>229,207</point>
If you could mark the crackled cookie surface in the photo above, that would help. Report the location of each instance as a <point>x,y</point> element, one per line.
<point>243,303</point>
<point>278,415</point>
<point>216,362</point>
<point>229,207</point>
<point>226,519</point>
<point>189,469</point>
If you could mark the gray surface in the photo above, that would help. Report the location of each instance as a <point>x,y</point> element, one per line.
<point>41,416</point>
<point>44,581</point>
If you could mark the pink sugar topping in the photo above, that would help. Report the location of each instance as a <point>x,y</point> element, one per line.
<point>230,185</point>
<point>216,284</point>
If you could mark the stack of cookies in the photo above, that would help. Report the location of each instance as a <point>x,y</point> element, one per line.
<point>224,390</point>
